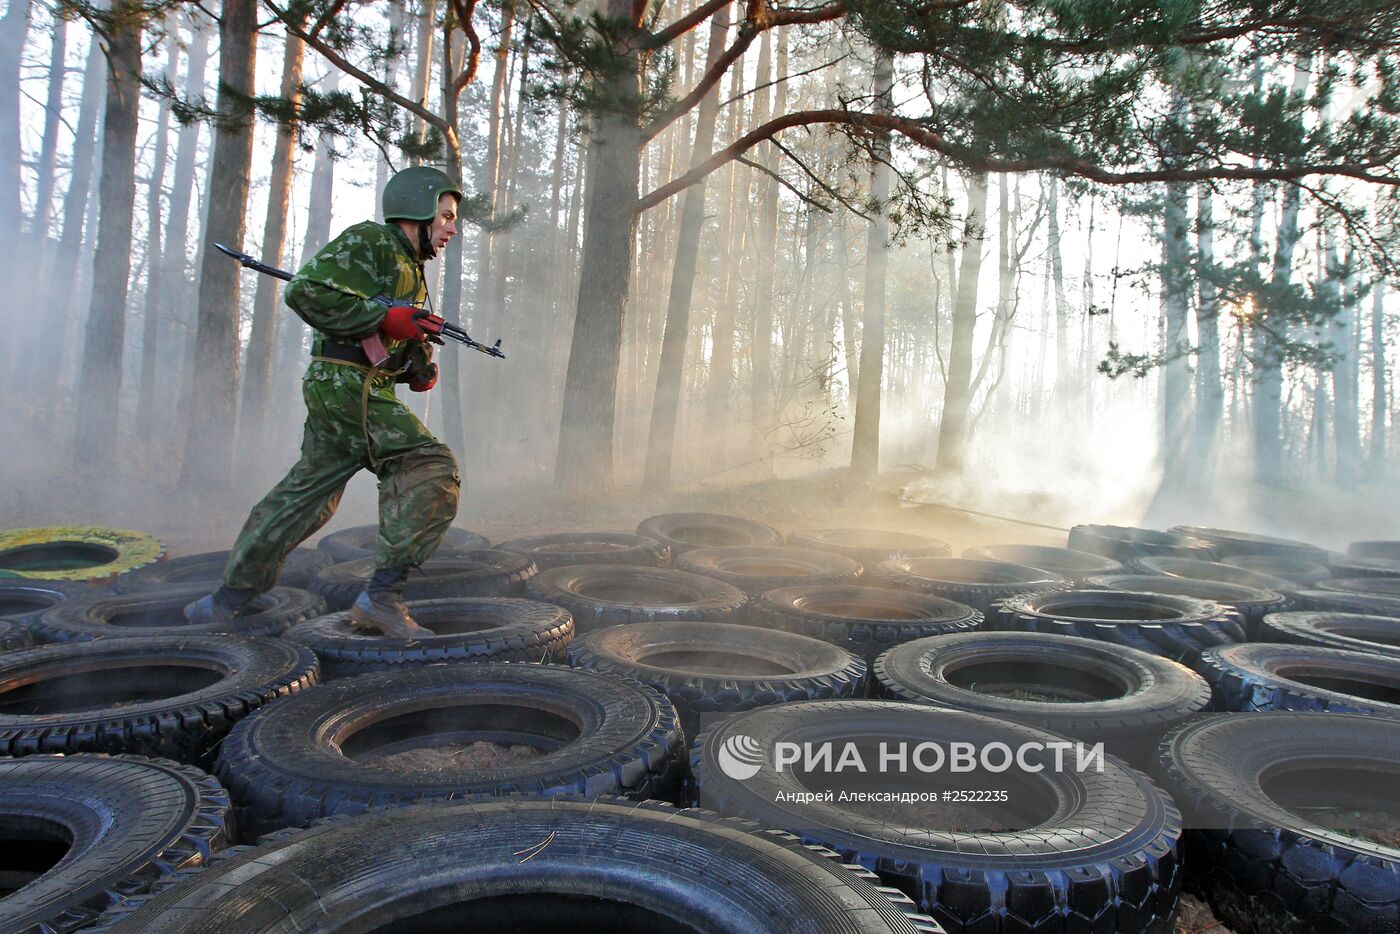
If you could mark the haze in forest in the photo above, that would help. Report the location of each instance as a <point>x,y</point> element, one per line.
<point>140,370</point>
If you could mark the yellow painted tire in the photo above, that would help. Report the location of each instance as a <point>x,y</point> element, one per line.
<point>75,552</point>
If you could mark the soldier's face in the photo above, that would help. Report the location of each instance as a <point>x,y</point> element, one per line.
<point>444,225</point>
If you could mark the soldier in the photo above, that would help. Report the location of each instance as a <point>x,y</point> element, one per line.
<point>354,420</point>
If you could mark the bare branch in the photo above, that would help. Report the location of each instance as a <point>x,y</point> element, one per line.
<point>819,183</point>
<point>784,182</point>
<point>370,82</point>
<point>756,20</point>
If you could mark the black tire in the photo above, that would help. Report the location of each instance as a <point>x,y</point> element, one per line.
<point>207,570</point>
<point>1251,603</point>
<point>480,629</point>
<point>297,762</point>
<point>1301,573</point>
<point>76,552</point>
<point>1263,868</point>
<point>1388,587</point>
<point>22,600</point>
<point>684,531</point>
<point>977,584</point>
<point>1091,691</point>
<point>1123,543</point>
<point>1228,543</point>
<point>1338,602</point>
<point>1387,550</point>
<point>868,547</point>
<point>1096,850</point>
<point>757,569</point>
<point>1177,627</point>
<point>1066,562</point>
<point>532,865</point>
<point>118,824</point>
<point>1354,632</point>
<point>1265,676</point>
<point>482,573</point>
<point>599,595</point>
<point>14,636</point>
<point>565,548</point>
<point>161,695</point>
<point>712,668</point>
<point>361,541</point>
<point>1363,567</point>
<point>864,620</point>
<point>1192,569</point>
<point>158,612</point>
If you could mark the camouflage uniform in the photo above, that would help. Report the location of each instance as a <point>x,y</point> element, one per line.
<point>348,430</point>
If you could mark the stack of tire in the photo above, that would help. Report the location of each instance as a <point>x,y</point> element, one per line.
<point>522,765</point>
<point>134,748</point>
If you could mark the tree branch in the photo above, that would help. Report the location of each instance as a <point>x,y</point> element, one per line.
<point>929,139</point>
<point>685,24</point>
<point>326,17</point>
<point>465,10</point>
<point>819,183</point>
<point>373,84</point>
<point>757,19</point>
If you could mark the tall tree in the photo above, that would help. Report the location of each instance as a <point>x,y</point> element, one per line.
<point>666,400</point>
<point>865,445</point>
<point>155,263</point>
<point>257,371</point>
<point>100,382</point>
<point>14,29</point>
<point>209,442</point>
<point>957,392</point>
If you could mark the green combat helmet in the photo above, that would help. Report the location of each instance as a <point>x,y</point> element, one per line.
<point>412,194</point>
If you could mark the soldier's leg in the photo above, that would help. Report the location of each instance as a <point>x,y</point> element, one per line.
<point>292,511</point>
<point>418,485</point>
<point>308,495</point>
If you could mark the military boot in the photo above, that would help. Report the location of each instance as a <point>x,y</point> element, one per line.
<point>222,606</point>
<point>380,606</point>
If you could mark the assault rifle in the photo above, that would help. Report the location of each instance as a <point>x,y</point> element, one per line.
<point>372,345</point>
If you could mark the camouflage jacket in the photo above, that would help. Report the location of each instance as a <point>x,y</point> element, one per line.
<point>334,293</point>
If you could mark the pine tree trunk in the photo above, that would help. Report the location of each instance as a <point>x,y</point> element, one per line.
<point>1345,373</point>
<point>1380,398</point>
<point>177,292</point>
<point>453,427</point>
<point>666,401</point>
<point>61,285</point>
<point>1176,372</point>
<point>719,392</point>
<point>257,371</point>
<point>1210,391</point>
<point>585,458</point>
<point>100,379</point>
<point>291,344</point>
<point>1061,387</point>
<point>422,70</point>
<point>14,29</point>
<point>1267,356</point>
<point>865,443</point>
<point>48,151</point>
<point>957,391</point>
<point>209,444</point>
<point>146,416</point>
<point>766,237</point>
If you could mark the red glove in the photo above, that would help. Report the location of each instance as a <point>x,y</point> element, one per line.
<point>423,385</point>
<point>401,323</point>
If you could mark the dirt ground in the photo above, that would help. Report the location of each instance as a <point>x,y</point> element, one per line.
<point>1196,917</point>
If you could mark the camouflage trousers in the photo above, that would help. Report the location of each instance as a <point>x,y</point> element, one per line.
<point>345,433</point>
